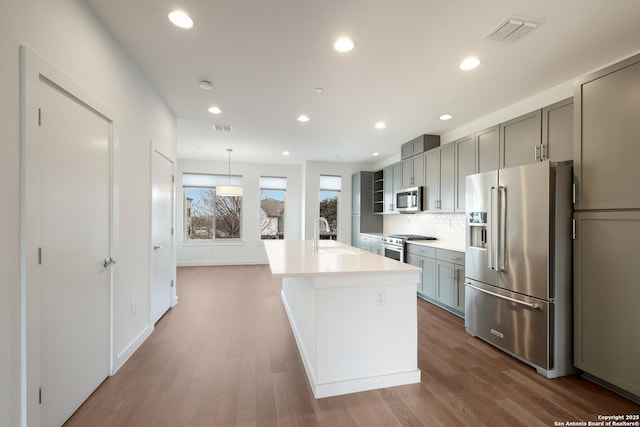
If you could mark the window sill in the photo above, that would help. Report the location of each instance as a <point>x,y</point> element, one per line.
<point>205,243</point>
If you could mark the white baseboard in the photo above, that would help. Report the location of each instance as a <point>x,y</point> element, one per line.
<point>125,354</point>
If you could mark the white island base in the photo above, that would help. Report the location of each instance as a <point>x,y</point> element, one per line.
<point>356,329</point>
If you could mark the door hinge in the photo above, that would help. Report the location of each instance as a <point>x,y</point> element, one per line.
<point>39,256</point>
<point>40,396</point>
<point>574,193</point>
<point>172,283</point>
<point>574,230</point>
<point>39,117</point>
<point>172,231</point>
<point>173,178</point>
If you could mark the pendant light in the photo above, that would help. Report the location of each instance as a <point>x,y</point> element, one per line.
<point>229,190</point>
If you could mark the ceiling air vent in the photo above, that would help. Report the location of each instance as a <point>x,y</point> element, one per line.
<point>513,29</point>
<point>223,128</point>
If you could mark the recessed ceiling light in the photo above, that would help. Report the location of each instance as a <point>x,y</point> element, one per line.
<point>205,85</point>
<point>380,125</point>
<point>469,63</point>
<point>445,117</point>
<point>375,154</point>
<point>303,118</point>
<point>180,19</point>
<point>318,90</point>
<point>343,44</point>
<point>215,110</point>
<point>285,153</point>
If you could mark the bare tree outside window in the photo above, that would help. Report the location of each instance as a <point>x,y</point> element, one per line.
<point>208,216</point>
<point>329,211</point>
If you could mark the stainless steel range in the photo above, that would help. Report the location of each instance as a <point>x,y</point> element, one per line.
<point>394,245</point>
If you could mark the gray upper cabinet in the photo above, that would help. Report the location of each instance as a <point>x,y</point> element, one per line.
<point>439,179</point>
<point>413,172</point>
<point>392,182</point>
<point>488,149</point>
<point>557,131</point>
<point>419,145</point>
<point>431,181</point>
<point>465,152</point>
<point>607,129</point>
<point>520,140</point>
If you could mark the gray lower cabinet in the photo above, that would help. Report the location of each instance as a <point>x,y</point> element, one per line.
<point>442,276</point>
<point>424,257</point>
<point>370,243</point>
<point>607,297</point>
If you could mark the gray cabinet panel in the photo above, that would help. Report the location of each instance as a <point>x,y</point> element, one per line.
<point>465,153</point>
<point>520,139</point>
<point>447,178</point>
<point>606,296</point>
<point>429,277</point>
<point>445,283</point>
<point>418,171</point>
<point>431,180</point>
<point>459,284</point>
<point>356,182</point>
<point>557,131</point>
<point>407,172</point>
<point>488,146</point>
<point>607,128</point>
<point>388,189</point>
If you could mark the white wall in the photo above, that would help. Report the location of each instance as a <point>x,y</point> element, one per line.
<point>312,172</point>
<point>66,33</point>
<point>250,249</point>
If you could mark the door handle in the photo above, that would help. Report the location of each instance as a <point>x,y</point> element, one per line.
<point>526,304</point>
<point>155,248</point>
<point>108,261</point>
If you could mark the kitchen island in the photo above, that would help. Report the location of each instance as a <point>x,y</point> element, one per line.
<point>353,315</point>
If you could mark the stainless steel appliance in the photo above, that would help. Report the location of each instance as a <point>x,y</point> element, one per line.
<point>409,200</point>
<point>394,245</point>
<point>518,263</point>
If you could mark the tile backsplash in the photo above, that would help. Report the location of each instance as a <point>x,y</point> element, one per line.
<point>449,227</point>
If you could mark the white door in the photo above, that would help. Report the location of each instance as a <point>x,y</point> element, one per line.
<point>74,146</point>
<point>161,235</point>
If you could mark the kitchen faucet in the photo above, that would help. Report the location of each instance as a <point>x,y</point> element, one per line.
<point>316,232</point>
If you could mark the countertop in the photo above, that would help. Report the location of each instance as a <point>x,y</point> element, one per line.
<point>296,258</point>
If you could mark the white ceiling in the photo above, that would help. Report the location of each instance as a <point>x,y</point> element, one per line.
<point>266,57</point>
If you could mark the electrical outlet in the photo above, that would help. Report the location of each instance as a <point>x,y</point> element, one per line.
<point>381,298</point>
<point>133,307</point>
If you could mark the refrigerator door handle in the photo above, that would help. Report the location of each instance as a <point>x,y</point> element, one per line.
<point>490,240</point>
<point>526,304</point>
<point>502,231</point>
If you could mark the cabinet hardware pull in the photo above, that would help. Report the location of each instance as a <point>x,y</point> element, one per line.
<point>534,306</point>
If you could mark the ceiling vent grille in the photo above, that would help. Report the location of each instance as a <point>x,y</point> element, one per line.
<point>513,29</point>
<point>223,128</point>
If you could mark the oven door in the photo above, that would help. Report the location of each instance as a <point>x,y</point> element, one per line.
<point>394,252</point>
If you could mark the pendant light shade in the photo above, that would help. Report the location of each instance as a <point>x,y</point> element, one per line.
<point>229,190</point>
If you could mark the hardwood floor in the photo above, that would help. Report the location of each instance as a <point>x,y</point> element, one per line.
<point>226,356</point>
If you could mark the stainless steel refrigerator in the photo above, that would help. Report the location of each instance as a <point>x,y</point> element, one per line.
<point>518,263</point>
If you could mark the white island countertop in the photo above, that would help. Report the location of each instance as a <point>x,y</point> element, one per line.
<point>296,258</point>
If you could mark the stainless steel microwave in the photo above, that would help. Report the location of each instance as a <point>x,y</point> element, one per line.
<point>409,200</point>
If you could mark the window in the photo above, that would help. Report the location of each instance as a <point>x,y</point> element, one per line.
<point>329,201</point>
<point>208,216</point>
<point>273,192</point>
